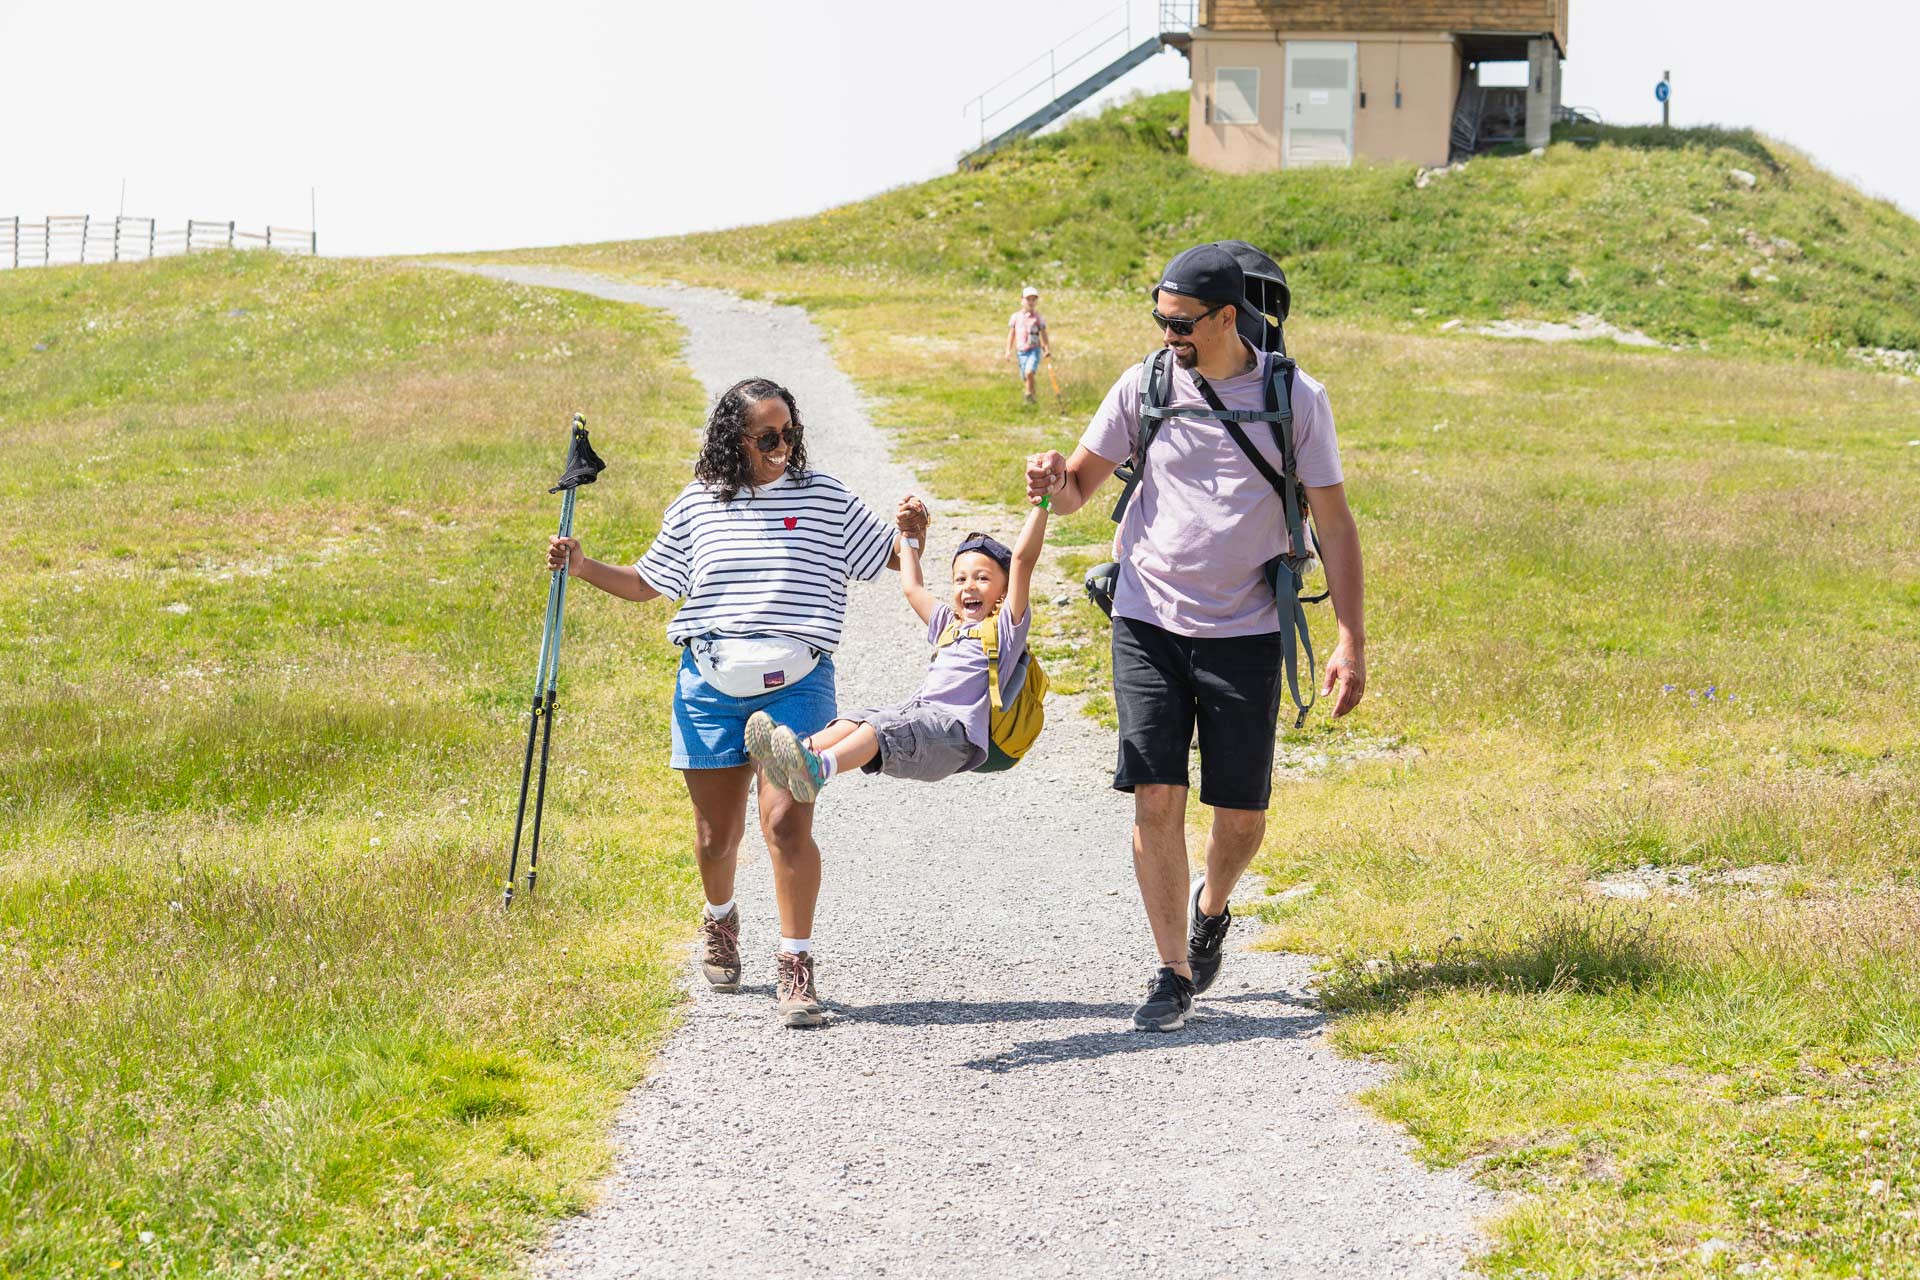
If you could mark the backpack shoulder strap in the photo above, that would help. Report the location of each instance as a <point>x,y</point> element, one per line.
<point>988,633</point>
<point>1280,371</point>
<point>1156,389</point>
<point>990,645</point>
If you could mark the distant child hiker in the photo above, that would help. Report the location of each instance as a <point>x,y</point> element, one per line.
<point>1027,338</point>
<point>945,728</point>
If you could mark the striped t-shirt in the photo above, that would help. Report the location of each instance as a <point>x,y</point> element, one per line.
<point>774,561</point>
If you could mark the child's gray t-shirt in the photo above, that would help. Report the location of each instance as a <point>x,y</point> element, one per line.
<point>957,677</point>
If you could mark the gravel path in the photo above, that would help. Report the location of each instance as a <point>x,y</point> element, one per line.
<point>978,1105</point>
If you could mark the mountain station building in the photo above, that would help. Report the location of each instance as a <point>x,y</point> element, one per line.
<point>1285,83</point>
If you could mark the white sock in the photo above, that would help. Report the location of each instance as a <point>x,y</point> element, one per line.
<point>796,946</point>
<point>720,911</point>
<point>828,765</point>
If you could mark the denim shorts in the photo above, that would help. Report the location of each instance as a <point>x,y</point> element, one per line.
<point>1029,362</point>
<point>710,727</point>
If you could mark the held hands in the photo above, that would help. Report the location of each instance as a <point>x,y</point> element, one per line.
<point>1046,474</point>
<point>1346,672</point>
<point>565,553</point>
<point>911,517</point>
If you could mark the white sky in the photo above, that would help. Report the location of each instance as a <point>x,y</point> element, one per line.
<point>473,125</point>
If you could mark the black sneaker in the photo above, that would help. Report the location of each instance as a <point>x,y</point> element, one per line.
<point>1206,940</point>
<point>1169,1001</point>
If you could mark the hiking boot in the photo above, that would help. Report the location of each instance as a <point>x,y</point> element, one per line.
<point>720,950</point>
<point>1169,1001</point>
<point>1206,940</point>
<point>798,766</point>
<point>799,1002</point>
<point>760,745</point>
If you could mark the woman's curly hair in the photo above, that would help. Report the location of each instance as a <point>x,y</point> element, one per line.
<point>724,465</point>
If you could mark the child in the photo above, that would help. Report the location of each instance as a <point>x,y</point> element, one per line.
<point>1027,339</point>
<point>942,730</point>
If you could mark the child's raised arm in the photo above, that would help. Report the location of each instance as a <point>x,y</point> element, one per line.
<point>911,517</point>
<point>1026,554</point>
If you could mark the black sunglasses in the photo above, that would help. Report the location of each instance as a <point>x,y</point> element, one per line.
<point>1180,326</point>
<point>771,441</point>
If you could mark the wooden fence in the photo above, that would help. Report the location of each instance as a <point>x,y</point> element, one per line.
<point>55,240</point>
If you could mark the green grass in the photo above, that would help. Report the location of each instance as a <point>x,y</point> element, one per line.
<point>1648,230</point>
<point>1632,614</point>
<point>273,533</point>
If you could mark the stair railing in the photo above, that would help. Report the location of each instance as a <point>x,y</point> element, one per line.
<point>1118,24</point>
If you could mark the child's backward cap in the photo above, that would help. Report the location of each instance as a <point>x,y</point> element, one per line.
<point>991,548</point>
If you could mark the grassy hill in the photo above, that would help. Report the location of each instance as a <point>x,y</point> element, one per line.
<point>1649,230</point>
<point>272,584</point>
<point>1620,859</point>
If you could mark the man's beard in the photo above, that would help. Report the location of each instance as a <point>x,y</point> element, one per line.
<point>1185,357</point>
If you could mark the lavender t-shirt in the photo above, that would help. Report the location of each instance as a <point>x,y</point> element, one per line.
<point>957,677</point>
<point>1203,523</point>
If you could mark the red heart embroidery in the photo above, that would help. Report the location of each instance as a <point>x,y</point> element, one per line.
<point>792,521</point>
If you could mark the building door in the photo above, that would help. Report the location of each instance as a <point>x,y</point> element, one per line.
<point>1320,80</point>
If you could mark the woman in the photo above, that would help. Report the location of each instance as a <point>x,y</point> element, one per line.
<point>761,549</point>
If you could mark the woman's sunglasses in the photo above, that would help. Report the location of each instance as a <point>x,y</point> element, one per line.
<point>771,441</point>
<point>1180,327</point>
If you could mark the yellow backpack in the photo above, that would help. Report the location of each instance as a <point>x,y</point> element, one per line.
<point>1012,727</point>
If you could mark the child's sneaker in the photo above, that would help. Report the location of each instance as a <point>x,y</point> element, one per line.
<point>798,768</point>
<point>760,745</point>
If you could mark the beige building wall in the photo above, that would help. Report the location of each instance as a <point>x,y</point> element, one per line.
<point>1420,129</point>
<point>1417,131</point>
<point>1236,148</point>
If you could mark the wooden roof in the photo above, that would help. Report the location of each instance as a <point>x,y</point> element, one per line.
<point>1516,16</point>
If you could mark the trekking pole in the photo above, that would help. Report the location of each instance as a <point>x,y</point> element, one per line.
<point>1050,375</point>
<point>583,466</point>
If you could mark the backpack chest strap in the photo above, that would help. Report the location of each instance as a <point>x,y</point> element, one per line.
<point>987,632</point>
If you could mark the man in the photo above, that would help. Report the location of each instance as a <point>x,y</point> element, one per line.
<point>1027,339</point>
<point>1196,634</point>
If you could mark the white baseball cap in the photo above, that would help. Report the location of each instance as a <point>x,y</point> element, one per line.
<point>1029,292</point>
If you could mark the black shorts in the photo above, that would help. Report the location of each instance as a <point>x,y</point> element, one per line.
<point>1163,684</point>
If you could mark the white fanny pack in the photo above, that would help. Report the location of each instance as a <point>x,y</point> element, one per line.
<point>752,666</point>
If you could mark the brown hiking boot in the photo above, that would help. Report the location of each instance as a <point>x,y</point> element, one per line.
<point>799,1001</point>
<point>720,950</point>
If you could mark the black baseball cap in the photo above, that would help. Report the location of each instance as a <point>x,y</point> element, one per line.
<point>1206,272</point>
<point>991,548</point>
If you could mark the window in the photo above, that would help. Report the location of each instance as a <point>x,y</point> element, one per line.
<point>1236,95</point>
<point>1318,73</point>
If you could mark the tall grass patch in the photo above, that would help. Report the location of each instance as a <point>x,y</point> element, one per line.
<point>274,534</point>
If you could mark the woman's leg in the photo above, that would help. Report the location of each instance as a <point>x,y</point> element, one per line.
<point>788,827</point>
<point>719,820</point>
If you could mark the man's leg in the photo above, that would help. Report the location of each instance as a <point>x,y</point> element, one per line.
<point>1154,696</point>
<point>1231,845</point>
<point>1160,867</point>
<point>1237,684</point>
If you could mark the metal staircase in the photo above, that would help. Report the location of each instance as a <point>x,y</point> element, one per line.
<point>1039,81</point>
